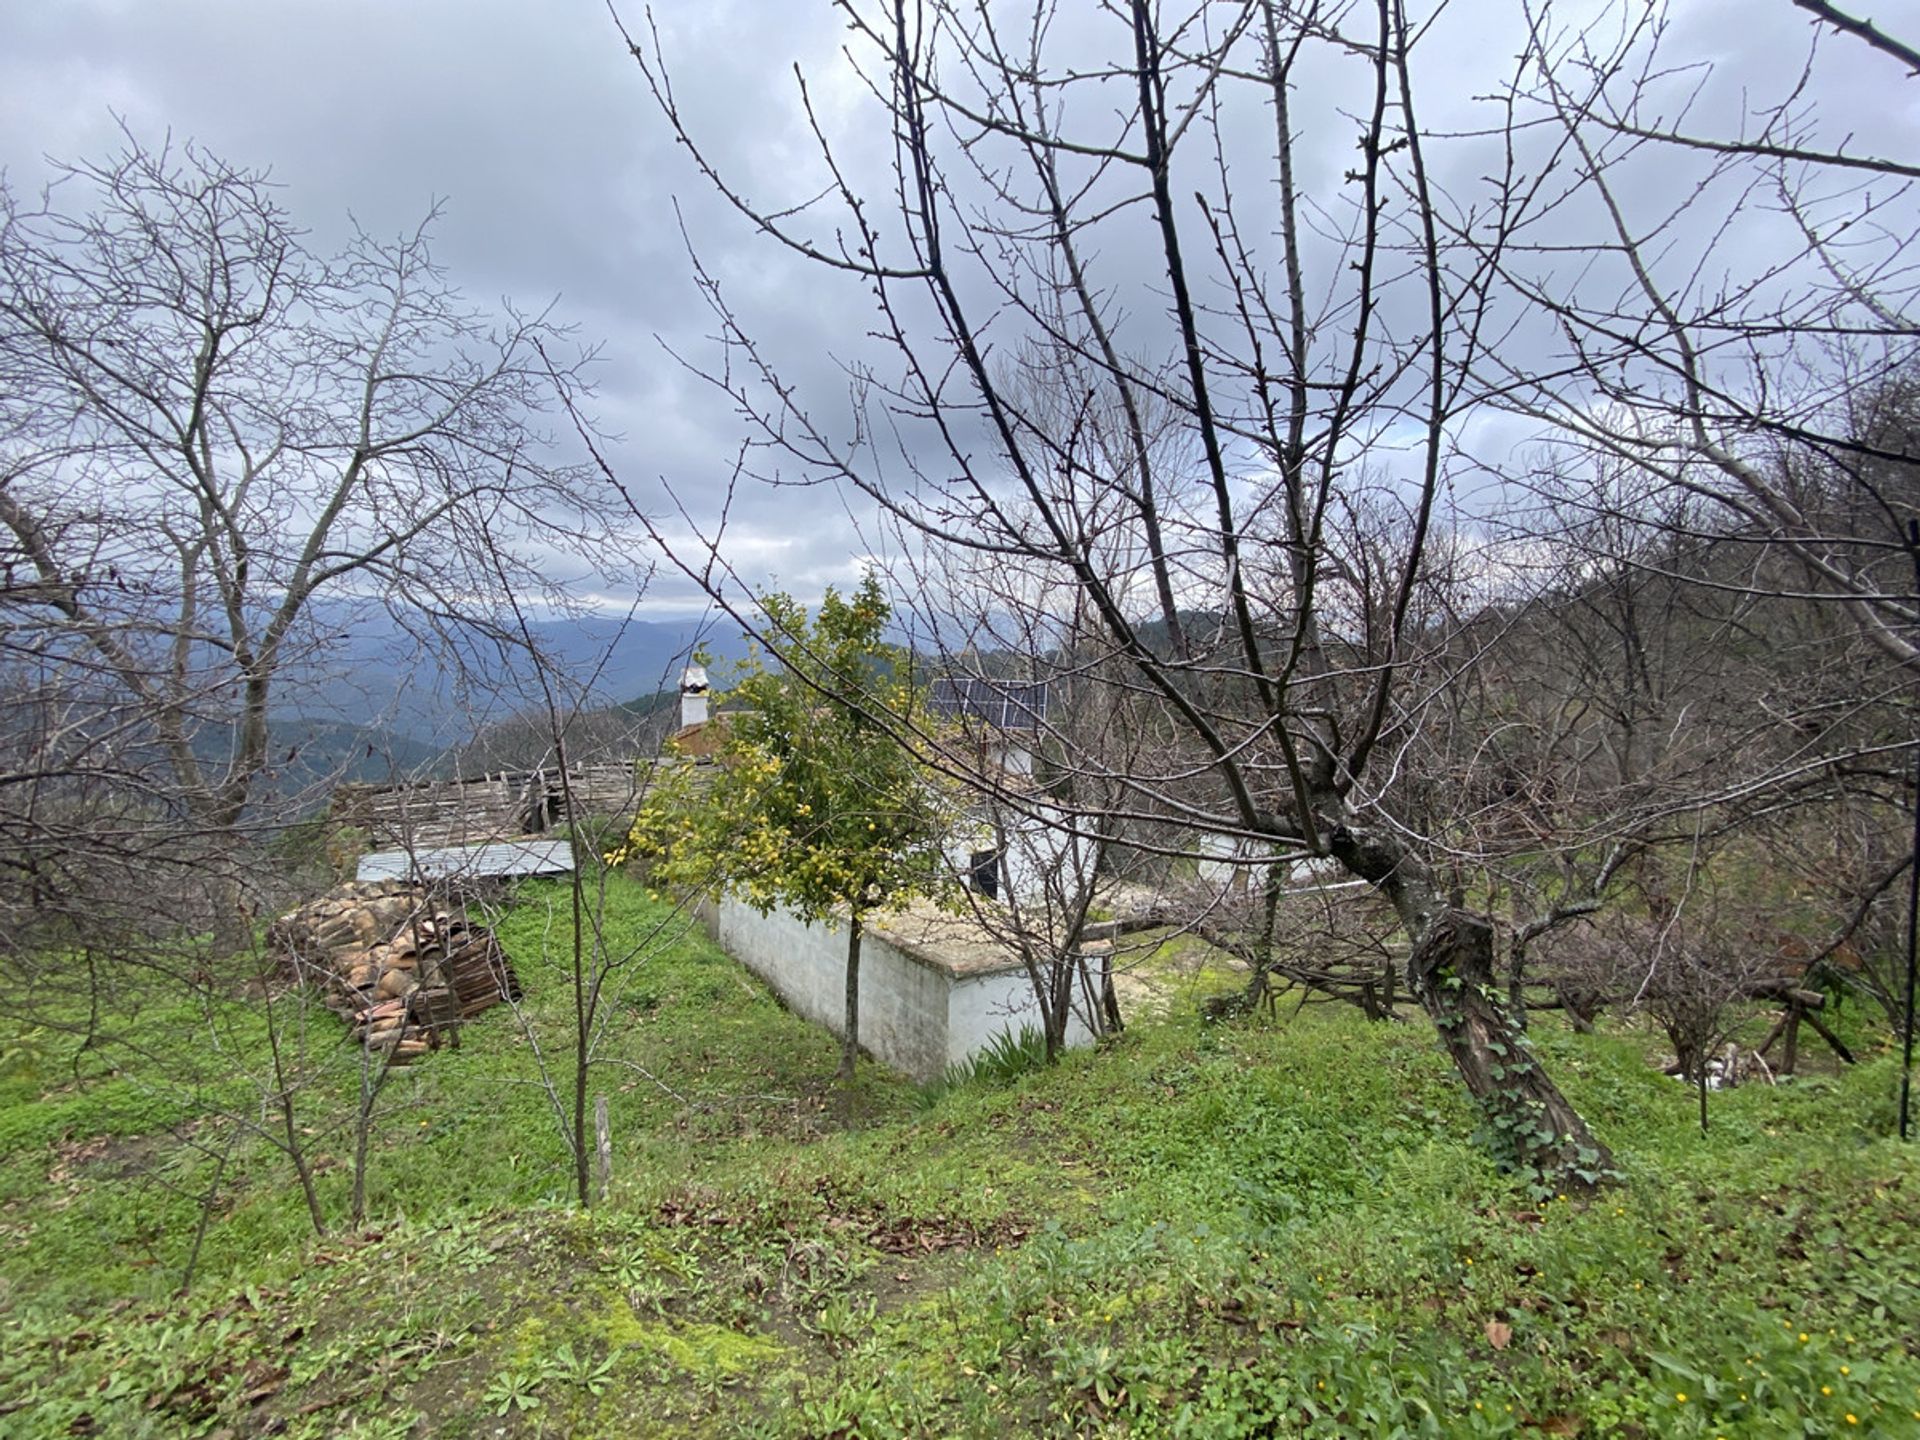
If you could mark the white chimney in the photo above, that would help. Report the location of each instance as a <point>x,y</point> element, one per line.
<point>693,696</point>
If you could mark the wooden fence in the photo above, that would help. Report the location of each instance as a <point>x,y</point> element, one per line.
<point>428,814</point>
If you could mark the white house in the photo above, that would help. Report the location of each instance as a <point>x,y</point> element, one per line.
<point>1013,838</point>
<point>935,988</point>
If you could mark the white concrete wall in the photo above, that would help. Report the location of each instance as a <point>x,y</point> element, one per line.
<point>915,1017</point>
<point>984,1006</point>
<point>1232,862</point>
<point>1036,845</point>
<point>1041,845</point>
<point>1010,755</point>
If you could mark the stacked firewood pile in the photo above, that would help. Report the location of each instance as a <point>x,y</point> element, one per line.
<point>401,966</point>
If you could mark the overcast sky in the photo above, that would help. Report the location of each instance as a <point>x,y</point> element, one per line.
<point>532,124</point>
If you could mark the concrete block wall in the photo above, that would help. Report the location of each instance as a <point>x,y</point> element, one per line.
<point>916,1015</point>
<point>982,1006</point>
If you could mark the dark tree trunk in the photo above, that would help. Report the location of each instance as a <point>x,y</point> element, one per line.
<point>300,1167</point>
<point>232,927</point>
<point>1059,1008</point>
<point>850,1035</point>
<point>1451,974</point>
<point>376,1064</point>
<point>362,1133</point>
<point>283,1102</point>
<point>1263,948</point>
<point>206,1213</point>
<point>1580,1010</point>
<point>586,999</point>
<point>1517,982</point>
<point>1043,976</point>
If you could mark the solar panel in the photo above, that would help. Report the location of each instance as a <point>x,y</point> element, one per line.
<point>1003,704</point>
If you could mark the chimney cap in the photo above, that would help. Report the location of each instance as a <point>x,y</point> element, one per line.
<point>694,680</point>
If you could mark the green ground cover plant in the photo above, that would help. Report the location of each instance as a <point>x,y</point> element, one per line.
<point>1272,1226</point>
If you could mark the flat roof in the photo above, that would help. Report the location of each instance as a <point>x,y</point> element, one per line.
<point>501,858</point>
<point>957,945</point>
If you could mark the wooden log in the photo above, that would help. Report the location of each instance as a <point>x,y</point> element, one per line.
<point>1779,1025</point>
<point>395,968</point>
<point>1833,1041</point>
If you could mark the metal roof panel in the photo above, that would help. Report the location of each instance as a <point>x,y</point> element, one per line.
<point>502,858</point>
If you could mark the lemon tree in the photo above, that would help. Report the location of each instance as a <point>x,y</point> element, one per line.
<point>815,804</point>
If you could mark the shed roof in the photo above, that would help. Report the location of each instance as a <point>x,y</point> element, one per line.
<point>501,859</point>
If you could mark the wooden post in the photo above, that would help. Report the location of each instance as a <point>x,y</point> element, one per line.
<point>1834,1042</point>
<point>603,1137</point>
<point>1779,1025</point>
<point>1913,904</point>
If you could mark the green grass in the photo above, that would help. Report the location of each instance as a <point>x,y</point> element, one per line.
<point>1268,1227</point>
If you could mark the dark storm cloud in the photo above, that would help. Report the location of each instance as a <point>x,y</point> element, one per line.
<point>533,125</point>
<point>528,122</point>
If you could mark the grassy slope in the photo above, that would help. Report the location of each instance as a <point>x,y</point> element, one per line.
<point>1269,1228</point>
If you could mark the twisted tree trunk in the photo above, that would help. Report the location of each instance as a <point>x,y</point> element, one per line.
<point>1451,974</point>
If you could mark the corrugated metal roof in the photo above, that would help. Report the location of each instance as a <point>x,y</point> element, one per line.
<point>1004,704</point>
<point>503,858</point>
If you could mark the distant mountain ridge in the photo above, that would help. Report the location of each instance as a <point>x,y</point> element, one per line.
<point>375,676</point>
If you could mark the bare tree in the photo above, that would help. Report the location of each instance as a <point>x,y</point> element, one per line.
<point>221,449</point>
<point>1692,952</point>
<point>1089,185</point>
<point>1037,895</point>
<point>1640,676</point>
<point>1765,379</point>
